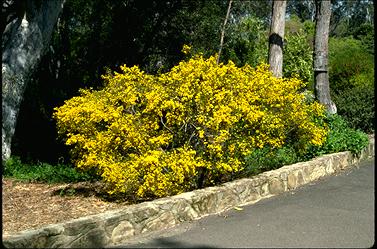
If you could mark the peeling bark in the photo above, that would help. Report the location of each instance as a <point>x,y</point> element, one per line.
<point>321,48</point>
<point>275,55</point>
<point>24,41</point>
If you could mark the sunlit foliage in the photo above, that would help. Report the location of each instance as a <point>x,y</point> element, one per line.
<point>155,135</point>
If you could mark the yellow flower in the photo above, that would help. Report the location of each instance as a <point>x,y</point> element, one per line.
<point>186,49</point>
<point>149,135</point>
<point>201,133</point>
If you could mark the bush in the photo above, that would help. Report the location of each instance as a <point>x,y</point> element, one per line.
<point>43,172</point>
<point>268,158</point>
<point>352,82</point>
<point>298,58</point>
<point>365,33</point>
<point>165,134</point>
<point>348,59</point>
<point>356,105</point>
<point>298,50</point>
<point>341,137</point>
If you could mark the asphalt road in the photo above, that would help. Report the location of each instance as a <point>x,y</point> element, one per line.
<point>336,212</point>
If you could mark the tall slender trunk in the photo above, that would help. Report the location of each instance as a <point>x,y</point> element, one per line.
<point>24,42</point>
<point>321,48</point>
<point>275,55</point>
<point>223,30</point>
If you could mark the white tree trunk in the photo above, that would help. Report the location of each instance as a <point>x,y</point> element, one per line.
<point>321,48</point>
<point>24,41</point>
<point>275,56</point>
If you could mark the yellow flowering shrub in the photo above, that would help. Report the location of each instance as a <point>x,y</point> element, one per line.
<point>159,135</point>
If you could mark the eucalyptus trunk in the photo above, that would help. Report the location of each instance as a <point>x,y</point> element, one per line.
<point>223,30</point>
<point>321,49</point>
<point>275,56</point>
<point>24,41</point>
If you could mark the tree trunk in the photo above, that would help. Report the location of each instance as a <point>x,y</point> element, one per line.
<point>223,30</point>
<point>24,42</point>
<point>321,48</point>
<point>275,56</point>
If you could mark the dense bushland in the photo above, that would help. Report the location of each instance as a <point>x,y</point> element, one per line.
<point>352,81</point>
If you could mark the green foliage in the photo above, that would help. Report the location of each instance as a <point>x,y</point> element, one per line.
<point>352,81</point>
<point>349,16</point>
<point>298,58</point>
<point>340,138</point>
<point>199,24</point>
<point>43,172</point>
<point>298,50</point>
<point>246,42</point>
<point>349,59</point>
<point>365,33</point>
<point>356,105</point>
<point>268,158</point>
<point>309,28</point>
<point>293,25</point>
<point>303,10</point>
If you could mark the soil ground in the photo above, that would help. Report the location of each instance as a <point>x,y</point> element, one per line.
<point>33,205</point>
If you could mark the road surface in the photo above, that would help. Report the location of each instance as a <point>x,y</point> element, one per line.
<point>336,211</point>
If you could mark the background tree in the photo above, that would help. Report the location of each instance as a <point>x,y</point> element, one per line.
<point>25,38</point>
<point>303,9</point>
<point>348,16</point>
<point>247,33</point>
<point>247,42</point>
<point>275,56</point>
<point>321,75</point>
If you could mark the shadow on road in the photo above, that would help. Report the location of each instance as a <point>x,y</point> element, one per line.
<point>165,243</point>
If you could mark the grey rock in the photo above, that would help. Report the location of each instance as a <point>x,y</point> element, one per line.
<point>276,186</point>
<point>124,230</point>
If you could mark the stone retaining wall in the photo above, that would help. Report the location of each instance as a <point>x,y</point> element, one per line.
<point>117,226</point>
